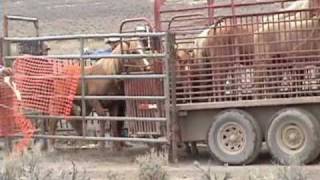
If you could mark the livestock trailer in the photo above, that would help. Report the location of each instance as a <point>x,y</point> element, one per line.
<point>246,72</point>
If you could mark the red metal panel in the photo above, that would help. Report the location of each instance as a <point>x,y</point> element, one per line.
<point>267,54</point>
<point>147,108</point>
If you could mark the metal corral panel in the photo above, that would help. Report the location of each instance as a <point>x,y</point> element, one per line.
<point>238,54</point>
<point>145,108</point>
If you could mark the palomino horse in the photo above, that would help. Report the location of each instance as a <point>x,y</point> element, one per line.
<point>225,47</point>
<point>275,46</point>
<point>107,87</point>
<point>290,36</point>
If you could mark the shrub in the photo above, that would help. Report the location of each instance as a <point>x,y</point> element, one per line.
<point>152,166</point>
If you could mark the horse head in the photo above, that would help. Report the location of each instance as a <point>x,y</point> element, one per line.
<point>133,46</point>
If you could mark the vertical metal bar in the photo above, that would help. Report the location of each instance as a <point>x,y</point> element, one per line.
<point>5,26</point>
<point>1,51</point>
<point>36,26</point>
<point>6,44</point>
<point>233,8</point>
<point>169,70</point>
<point>83,89</point>
<point>5,52</point>
<point>43,132</point>
<point>157,14</point>
<point>210,3</point>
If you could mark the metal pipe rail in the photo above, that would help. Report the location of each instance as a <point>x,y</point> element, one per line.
<point>121,97</point>
<point>214,6</point>
<point>100,118</point>
<point>116,56</point>
<point>102,77</point>
<point>22,18</point>
<point>106,97</point>
<point>113,139</point>
<point>84,36</point>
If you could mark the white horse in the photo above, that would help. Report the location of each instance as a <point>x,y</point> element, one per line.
<point>297,5</point>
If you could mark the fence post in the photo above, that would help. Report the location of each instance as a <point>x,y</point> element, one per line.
<point>83,89</point>
<point>170,89</point>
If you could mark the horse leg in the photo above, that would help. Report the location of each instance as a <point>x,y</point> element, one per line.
<point>188,148</point>
<point>194,148</point>
<point>102,125</point>
<point>116,127</point>
<point>52,130</point>
<point>43,142</point>
<point>101,112</point>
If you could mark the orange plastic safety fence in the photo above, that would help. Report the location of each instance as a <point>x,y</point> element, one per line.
<point>11,120</point>
<point>45,86</point>
<point>7,112</point>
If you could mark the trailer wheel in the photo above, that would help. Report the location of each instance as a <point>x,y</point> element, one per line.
<point>234,137</point>
<point>293,136</point>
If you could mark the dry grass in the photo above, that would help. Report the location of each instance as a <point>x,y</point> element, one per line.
<point>280,173</point>
<point>209,174</point>
<point>110,175</point>
<point>152,166</point>
<point>27,166</point>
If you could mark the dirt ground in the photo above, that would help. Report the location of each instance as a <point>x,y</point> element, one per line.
<point>98,163</point>
<point>104,16</point>
<point>77,16</point>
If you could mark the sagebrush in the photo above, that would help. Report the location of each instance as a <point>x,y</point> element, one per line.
<point>152,166</point>
<point>28,166</point>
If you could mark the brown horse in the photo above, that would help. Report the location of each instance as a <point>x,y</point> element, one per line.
<point>183,72</point>
<point>278,52</point>
<point>226,48</point>
<point>107,87</point>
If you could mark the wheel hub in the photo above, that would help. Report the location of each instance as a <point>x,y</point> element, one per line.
<point>231,138</point>
<point>292,137</point>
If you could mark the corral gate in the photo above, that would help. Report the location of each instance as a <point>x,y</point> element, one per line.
<point>161,99</point>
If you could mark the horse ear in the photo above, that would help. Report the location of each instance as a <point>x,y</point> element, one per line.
<point>191,53</point>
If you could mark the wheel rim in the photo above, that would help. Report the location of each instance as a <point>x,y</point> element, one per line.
<point>231,138</point>
<point>291,138</point>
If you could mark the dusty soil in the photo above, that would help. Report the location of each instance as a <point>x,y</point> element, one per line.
<point>98,163</point>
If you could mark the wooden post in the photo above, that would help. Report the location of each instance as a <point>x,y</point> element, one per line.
<point>172,125</point>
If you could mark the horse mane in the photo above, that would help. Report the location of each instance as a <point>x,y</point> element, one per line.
<point>111,65</point>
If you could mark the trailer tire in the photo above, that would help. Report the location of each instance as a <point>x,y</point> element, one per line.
<point>234,137</point>
<point>293,136</point>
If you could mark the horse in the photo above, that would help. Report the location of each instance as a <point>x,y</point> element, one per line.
<point>183,72</point>
<point>297,5</point>
<point>108,87</point>
<point>287,49</point>
<point>268,51</point>
<point>224,48</point>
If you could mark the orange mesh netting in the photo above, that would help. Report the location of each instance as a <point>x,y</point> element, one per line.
<point>7,104</point>
<point>11,120</point>
<point>47,86</point>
